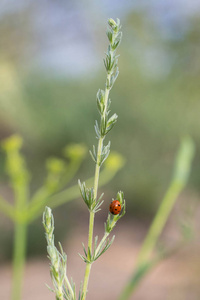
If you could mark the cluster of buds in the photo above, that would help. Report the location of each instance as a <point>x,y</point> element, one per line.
<point>58,261</point>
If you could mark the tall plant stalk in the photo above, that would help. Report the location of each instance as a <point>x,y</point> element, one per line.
<point>96,181</point>
<point>90,195</point>
<point>114,36</point>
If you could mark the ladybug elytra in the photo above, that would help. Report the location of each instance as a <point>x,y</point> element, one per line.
<point>115,207</point>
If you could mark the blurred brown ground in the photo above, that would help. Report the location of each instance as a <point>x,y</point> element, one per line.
<point>175,278</point>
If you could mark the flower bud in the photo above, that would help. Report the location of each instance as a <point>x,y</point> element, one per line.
<point>112,23</point>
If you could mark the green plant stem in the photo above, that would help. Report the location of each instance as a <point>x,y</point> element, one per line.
<point>96,182</point>
<point>146,268</point>
<point>20,238</point>
<point>88,265</point>
<point>159,221</point>
<point>18,259</point>
<point>86,279</point>
<point>144,264</point>
<point>181,173</point>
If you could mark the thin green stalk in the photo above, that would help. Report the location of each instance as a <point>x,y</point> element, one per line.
<point>86,279</point>
<point>96,181</point>
<point>114,36</point>
<point>20,239</point>
<point>181,173</point>
<point>182,169</point>
<point>146,268</point>
<point>18,259</point>
<point>144,264</point>
<point>159,222</point>
<point>19,178</point>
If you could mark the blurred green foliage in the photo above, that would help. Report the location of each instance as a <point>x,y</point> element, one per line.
<point>156,98</point>
<point>153,118</point>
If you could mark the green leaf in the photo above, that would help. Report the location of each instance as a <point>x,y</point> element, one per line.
<point>111,122</point>
<point>105,152</point>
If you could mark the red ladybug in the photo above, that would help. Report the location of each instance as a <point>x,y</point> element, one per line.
<point>115,207</point>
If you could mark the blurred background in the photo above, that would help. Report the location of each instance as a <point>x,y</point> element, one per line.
<point>51,66</point>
